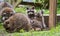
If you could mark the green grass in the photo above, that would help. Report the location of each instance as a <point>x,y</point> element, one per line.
<point>52,32</point>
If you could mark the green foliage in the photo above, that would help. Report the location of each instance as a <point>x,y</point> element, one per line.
<point>21,10</point>
<point>58,1</point>
<point>43,3</point>
<point>58,5</point>
<point>58,10</point>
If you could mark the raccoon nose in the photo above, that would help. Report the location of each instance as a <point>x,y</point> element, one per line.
<point>7,23</point>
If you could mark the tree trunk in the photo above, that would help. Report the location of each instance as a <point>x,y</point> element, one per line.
<point>53,10</point>
<point>18,1</point>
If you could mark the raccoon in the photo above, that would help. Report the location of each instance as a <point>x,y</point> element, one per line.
<point>17,22</point>
<point>6,13</point>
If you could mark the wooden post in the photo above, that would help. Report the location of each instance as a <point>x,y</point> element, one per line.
<point>13,2</point>
<point>53,10</point>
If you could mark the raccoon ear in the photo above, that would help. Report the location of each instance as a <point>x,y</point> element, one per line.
<point>33,7</point>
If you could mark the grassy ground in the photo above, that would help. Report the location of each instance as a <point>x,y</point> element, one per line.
<point>52,32</point>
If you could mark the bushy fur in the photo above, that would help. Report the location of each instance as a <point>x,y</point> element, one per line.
<point>36,25</point>
<point>17,22</point>
<point>40,17</point>
<point>6,13</point>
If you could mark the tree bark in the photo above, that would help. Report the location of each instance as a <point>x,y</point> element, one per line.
<point>53,10</point>
<point>18,1</point>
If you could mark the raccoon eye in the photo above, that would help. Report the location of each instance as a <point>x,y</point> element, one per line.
<point>11,14</point>
<point>27,8</point>
<point>33,7</point>
<point>33,21</point>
